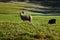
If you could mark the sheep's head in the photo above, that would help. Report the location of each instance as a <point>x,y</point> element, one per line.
<point>22,12</point>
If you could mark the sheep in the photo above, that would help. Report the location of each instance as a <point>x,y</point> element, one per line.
<point>52,21</point>
<point>25,17</point>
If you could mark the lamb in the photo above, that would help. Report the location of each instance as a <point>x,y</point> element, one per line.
<point>52,21</point>
<point>25,17</point>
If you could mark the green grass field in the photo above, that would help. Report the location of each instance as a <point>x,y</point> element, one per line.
<point>13,28</point>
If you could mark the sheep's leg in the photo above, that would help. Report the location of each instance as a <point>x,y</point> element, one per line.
<point>30,18</point>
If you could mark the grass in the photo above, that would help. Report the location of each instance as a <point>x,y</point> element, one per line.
<point>13,28</point>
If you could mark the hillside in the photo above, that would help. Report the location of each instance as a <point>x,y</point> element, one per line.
<point>13,28</point>
<point>33,9</point>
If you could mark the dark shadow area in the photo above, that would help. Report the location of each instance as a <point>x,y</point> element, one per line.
<point>12,0</point>
<point>54,7</point>
<point>51,3</point>
<point>28,7</point>
<point>20,0</point>
<point>45,11</point>
<point>47,3</point>
<point>48,10</point>
<point>5,1</point>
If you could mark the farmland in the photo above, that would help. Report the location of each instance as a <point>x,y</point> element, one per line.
<point>13,28</point>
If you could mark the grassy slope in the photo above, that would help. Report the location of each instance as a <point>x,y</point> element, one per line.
<point>12,27</point>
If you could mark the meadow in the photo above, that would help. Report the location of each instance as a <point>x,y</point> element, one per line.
<point>13,28</point>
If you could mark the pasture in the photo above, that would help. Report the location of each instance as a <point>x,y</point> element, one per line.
<point>13,28</point>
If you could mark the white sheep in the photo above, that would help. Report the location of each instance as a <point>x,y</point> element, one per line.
<point>25,17</point>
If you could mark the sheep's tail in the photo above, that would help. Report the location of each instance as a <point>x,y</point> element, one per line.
<point>30,18</point>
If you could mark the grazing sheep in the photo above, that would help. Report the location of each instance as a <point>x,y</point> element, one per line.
<point>25,17</point>
<point>52,21</point>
